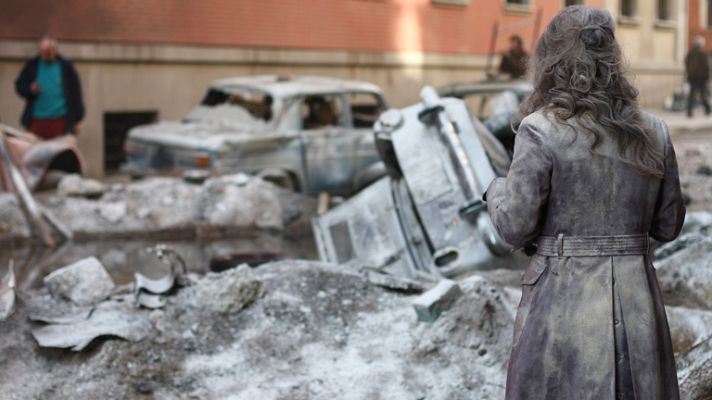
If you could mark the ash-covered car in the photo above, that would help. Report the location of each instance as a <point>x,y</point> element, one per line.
<point>427,215</point>
<point>308,133</point>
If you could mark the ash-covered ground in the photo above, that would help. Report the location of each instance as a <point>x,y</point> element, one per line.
<point>306,330</point>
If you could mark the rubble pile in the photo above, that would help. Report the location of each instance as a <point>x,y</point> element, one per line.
<point>309,330</point>
<point>162,207</point>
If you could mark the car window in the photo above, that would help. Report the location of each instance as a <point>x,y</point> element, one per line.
<point>365,109</point>
<point>323,111</point>
<point>243,106</point>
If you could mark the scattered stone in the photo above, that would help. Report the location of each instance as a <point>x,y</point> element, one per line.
<point>227,292</point>
<point>432,303</point>
<point>84,282</point>
<point>109,318</point>
<point>75,186</point>
<point>394,283</point>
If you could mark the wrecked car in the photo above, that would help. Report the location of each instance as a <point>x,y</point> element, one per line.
<point>427,216</point>
<point>42,163</point>
<point>308,133</point>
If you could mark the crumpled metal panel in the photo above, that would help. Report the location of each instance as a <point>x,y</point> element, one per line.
<point>109,318</point>
<point>365,229</point>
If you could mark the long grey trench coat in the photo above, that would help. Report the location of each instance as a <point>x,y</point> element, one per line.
<point>587,327</point>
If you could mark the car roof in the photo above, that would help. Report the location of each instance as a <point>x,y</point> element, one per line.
<point>519,87</point>
<point>291,86</point>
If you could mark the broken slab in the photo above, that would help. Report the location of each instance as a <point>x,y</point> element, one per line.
<point>75,186</point>
<point>227,292</point>
<point>109,318</point>
<point>429,305</point>
<point>85,282</point>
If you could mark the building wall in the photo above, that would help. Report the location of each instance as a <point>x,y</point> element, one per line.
<point>160,55</point>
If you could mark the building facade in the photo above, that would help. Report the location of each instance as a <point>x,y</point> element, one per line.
<point>140,60</point>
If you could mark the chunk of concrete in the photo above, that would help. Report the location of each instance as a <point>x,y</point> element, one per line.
<point>75,186</point>
<point>84,282</point>
<point>429,305</point>
<point>228,292</point>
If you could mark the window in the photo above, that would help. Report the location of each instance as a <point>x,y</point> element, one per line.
<point>365,109</point>
<point>525,2</point>
<point>573,2</point>
<point>322,112</point>
<point>628,8</point>
<point>665,11</point>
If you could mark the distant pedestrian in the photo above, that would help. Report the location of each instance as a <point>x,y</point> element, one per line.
<point>53,96</point>
<point>514,61</point>
<point>698,74</point>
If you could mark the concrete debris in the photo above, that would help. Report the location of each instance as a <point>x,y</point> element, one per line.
<point>239,201</point>
<point>396,283</point>
<point>7,294</point>
<point>228,292</point>
<point>686,276</point>
<point>109,318</point>
<point>695,371</point>
<point>319,330</point>
<point>74,185</point>
<point>113,212</point>
<point>85,282</point>
<point>437,300</point>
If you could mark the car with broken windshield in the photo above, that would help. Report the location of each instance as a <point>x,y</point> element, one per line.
<point>309,133</point>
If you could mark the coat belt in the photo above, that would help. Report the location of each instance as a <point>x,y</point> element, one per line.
<point>592,246</point>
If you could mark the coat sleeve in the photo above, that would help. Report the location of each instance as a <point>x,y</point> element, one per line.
<point>517,202</point>
<point>24,81</point>
<point>76,93</point>
<point>670,208</point>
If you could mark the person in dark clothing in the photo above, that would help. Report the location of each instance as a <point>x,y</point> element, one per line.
<point>52,92</point>
<point>592,179</point>
<point>514,61</point>
<point>698,74</point>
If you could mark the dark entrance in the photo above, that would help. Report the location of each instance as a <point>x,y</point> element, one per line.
<point>116,127</point>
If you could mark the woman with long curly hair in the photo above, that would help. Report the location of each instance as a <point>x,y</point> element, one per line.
<point>592,179</point>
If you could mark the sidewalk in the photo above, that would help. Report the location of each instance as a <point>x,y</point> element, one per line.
<point>678,123</point>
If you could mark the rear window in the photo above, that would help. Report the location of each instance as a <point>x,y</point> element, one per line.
<point>257,104</point>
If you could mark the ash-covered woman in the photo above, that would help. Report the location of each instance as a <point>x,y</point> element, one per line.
<point>592,178</point>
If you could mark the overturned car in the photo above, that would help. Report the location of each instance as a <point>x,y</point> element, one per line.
<point>427,215</point>
<point>308,133</point>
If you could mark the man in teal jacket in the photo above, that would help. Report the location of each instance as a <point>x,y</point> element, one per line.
<point>50,86</point>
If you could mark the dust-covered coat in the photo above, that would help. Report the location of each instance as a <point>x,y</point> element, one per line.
<point>566,327</point>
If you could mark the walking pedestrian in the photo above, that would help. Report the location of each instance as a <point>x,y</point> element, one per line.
<point>698,73</point>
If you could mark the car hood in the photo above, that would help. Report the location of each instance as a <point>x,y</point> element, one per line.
<point>208,135</point>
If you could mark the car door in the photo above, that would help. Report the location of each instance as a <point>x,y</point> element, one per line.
<point>328,144</point>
